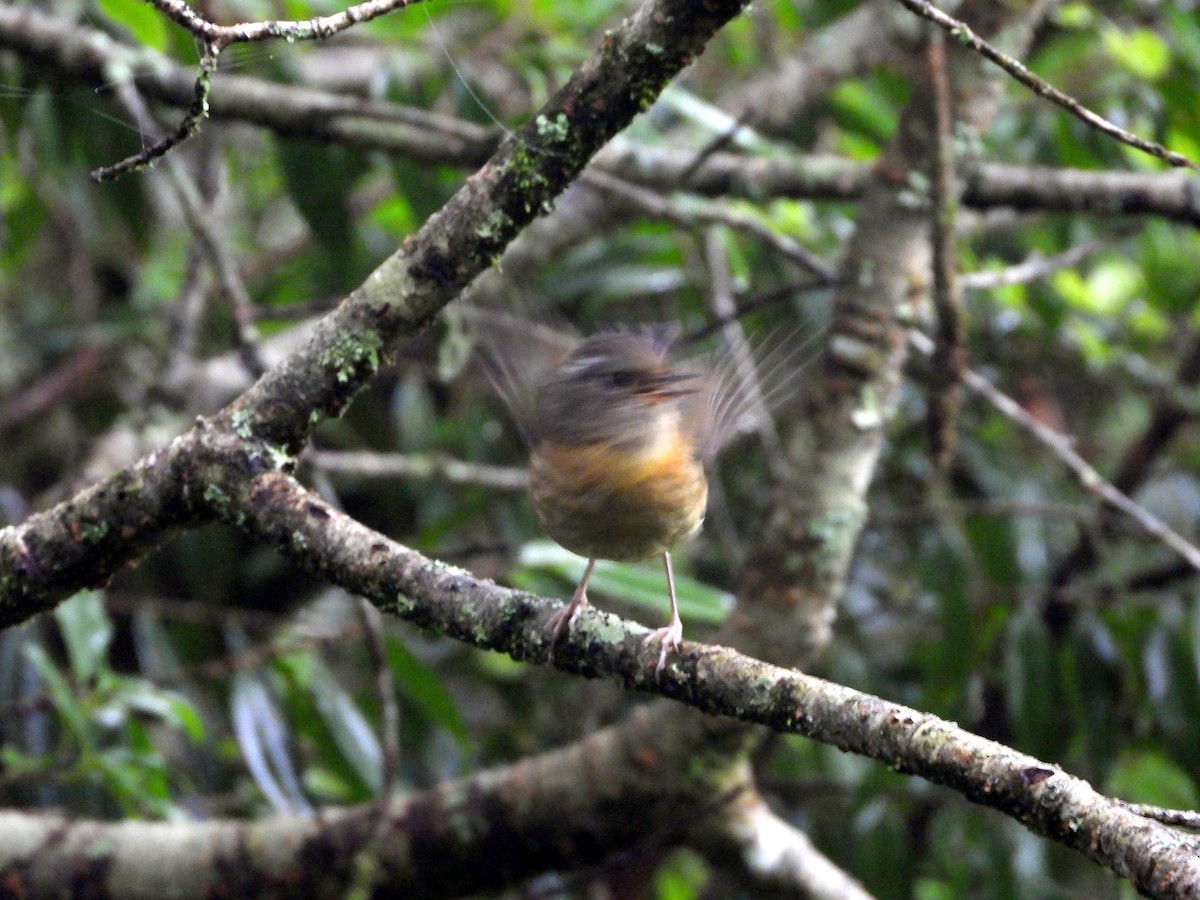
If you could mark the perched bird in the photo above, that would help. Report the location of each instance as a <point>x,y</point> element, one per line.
<point>619,436</point>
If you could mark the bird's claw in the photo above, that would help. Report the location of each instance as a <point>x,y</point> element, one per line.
<point>564,620</point>
<point>670,636</point>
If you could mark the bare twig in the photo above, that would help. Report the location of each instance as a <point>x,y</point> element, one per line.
<point>1037,267</point>
<point>949,355</point>
<point>435,468</point>
<point>190,124</point>
<point>772,857</point>
<point>901,517</point>
<point>1060,445</point>
<point>246,334</point>
<point>1180,818</point>
<point>216,38</point>
<point>68,377</point>
<point>721,141</point>
<point>316,28</point>
<point>700,213</point>
<point>961,31</point>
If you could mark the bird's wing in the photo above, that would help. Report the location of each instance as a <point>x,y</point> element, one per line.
<point>740,390</point>
<point>516,355</point>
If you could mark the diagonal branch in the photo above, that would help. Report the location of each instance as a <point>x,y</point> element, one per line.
<point>215,38</point>
<point>717,680</point>
<point>524,176</point>
<point>963,32</point>
<point>316,28</point>
<point>1060,445</point>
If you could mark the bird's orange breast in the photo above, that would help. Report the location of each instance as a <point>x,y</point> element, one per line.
<point>602,501</point>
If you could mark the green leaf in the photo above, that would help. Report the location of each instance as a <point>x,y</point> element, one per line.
<point>320,179</point>
<point>140,696</point>
<point>1108,288</point>
<point>422,186</point>
<point>994,545</point>
<point>72,713</point>
<point>641,585</point>
<point>1173,690</point>
<point>681,876</point>
<point>1033,700</point>
<point>1074,15</point>
<point>330,786</point>
<point>422,687</point>
<point>187,716</point>
<point>87,631</point>
<point>351,731</point>
<point>1097,669</point>
<point>24,214</point>
<point>945,574</point>
<point>1140,52</point>
<point>1149,777</point>
<point>145,24</point>
<point>866,108</point>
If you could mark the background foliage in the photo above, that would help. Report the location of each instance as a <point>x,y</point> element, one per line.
<point>213,679</point>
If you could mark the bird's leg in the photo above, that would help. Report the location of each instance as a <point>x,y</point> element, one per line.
<point>565,617</point>
<point>672,634</point>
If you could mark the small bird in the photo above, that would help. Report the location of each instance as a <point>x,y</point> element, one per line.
<point>619,436</point>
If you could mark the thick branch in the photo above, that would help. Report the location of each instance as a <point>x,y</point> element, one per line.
<point>482,833</point>
<point>717,680</point>
<point>459,242</point>
<point>91,56</point>
<point>83,541</point>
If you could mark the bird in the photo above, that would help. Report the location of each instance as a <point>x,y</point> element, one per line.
<point>620,434</point>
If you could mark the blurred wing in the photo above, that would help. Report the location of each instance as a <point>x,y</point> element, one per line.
<point>742,390</point>
<point>516,355</point>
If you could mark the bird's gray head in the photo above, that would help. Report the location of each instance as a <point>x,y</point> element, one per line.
<point>615,387</point>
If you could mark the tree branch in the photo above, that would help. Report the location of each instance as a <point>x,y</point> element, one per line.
<point>717,680</point>
<point>93,57</point>
<point>344,351</point>
<point>1014,67</point>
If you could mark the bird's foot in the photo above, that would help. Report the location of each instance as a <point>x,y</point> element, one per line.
<point>564,620</point>
<point>670,636</point>
<point>565,617</point>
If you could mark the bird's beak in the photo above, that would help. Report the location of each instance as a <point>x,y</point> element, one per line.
<point>663,387</point>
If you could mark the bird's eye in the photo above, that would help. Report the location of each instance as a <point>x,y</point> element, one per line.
<point>621,378</point>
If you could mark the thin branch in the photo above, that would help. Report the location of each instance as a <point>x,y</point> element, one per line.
<point>411,465</point>
<point>246,335</point>
<point>949,354</point>
<point>216,38</point>
<point>719,143</point>
<point>1060,445</point>
<point>700,214</point>
<point>1006,509</point>
<point>1036,267</point>
<point>190,124</point>
<point>1167,419</point>
<point>70,376</point>
<point>963,32</point>
<point>317,28</point>
<point>1181,818</point>
<point>772,857</point>
<point>718,680</point>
